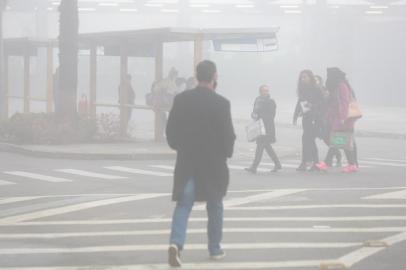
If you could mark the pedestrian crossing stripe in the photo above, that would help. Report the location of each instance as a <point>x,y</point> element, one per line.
<point>190,266</point>
<point>90,174</point>
<point>200,231</point>
<point>397,195</point>
<point>5,183</point>
<point>164,167</point>
<point>388,160</point>
<point>126,248</point>
<point>316,206</point>
<point>138,171</point>
<point>386,164</point>
<point>37,176</point>
<point>75,208</point>
<point>16,199</point>
<point>204,219</point>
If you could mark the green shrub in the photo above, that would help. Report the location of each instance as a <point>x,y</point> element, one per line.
<point>42,128</point>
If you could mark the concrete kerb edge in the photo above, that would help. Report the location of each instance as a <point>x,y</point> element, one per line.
<point>12,148</point>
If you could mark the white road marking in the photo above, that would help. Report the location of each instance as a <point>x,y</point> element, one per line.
<point>125,248</point>
<point>137,171</point>
<point>229,219</point>
<point>320,206</point>
<point>241,168</point>
<point>388,160</point>
<point>5,183</point>
<point>255,198</point>
<point>397,195</point>
<point>189,266</point>
<point>39,176</point>
<point>261,197</point>
<point>75,208</point>
<point>198,231</point>
<point>16,199</point>
<point>379,163</point>
<point>91,174</point>
<point>356,256</point>
<point>164,167</point>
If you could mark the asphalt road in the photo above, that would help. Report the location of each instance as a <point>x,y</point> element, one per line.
<point>71,214</point>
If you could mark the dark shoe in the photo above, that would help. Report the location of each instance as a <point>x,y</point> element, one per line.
<point>174,256</point>
<point>251,170</point>
<point>218,256</point>
<point>277,168</point>
<point>302,168</point>
<point>314,168</point>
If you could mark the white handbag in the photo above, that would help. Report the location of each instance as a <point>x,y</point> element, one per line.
<point>255,129</point>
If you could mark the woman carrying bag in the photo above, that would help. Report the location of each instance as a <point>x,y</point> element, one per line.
<point>343,112</point>
<point>265,110</point>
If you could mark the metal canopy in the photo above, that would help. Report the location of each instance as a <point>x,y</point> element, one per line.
<point>142,42</point>
<point>163,35</point>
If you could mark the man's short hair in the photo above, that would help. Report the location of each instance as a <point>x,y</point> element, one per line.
<point>205,71</point>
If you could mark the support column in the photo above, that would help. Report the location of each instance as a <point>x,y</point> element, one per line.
<point>198,50</point>
<point>159,61</point>
<point>27,97</point>
<point>50,78</point>
<point>93,81</point>
<point>5,85</point>
<point>123,97</point>
<point>160,116</point>
<point>3,94</point>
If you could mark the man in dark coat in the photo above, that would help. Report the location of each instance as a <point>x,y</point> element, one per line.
<point>265,111</point>
<point>200,129</point>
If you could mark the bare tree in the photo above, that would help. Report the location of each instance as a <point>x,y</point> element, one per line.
<point>68,58</point>
<point>3,97</point>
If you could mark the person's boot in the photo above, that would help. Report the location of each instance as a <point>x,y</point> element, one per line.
<point>277,167</point>
<point>251,170</point>
<point>302,167</point>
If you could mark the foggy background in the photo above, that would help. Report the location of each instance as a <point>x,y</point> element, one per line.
<point>367,39</point>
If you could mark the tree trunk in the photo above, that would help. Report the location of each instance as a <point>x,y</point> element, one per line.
<point>3,97</point>
<point>66,92</point>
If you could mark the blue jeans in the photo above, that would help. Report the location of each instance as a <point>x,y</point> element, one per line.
<point>181,215</point>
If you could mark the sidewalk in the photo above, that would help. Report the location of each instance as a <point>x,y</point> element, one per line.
<point>144,149</point>
<point>377,122</point>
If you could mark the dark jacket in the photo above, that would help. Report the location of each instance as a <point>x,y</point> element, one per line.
<point>313,98</point>
<point>265,109</point>
<point>200,129</point>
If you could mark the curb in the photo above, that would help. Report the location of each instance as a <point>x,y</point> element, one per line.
<point>12,148</point>
<point>358,132</point>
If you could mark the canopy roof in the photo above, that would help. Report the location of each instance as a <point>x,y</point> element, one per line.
<point>142,40</point>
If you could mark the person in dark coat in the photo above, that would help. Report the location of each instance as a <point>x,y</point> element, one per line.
<point>265,110</point>
<point>310,100</point>
<point>200,129</point>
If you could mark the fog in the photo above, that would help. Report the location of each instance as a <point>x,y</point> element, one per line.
<point>366,40</point>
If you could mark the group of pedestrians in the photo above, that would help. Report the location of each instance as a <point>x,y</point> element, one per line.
<point>326,111</point>
<point>200,129</point>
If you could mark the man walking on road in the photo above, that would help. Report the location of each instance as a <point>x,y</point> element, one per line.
<point>200,129</point>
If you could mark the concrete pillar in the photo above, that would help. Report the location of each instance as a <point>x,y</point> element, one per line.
<point>198,49</point>
<point>159,123</point>
<point>159,62</point>
<point>123,98</point>
<point>50,78</point>
<point>27,83</point>
<point>3,94</point>
<point>93,80</point>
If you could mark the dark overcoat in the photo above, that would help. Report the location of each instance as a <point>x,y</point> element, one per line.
<point>265,109</point>
<point>200,129</point>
